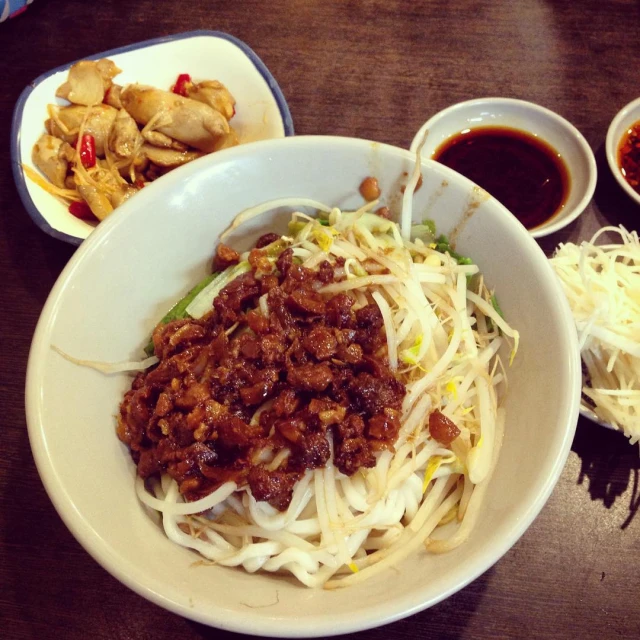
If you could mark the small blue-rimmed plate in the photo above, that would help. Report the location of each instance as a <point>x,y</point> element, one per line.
<point>261,109</point>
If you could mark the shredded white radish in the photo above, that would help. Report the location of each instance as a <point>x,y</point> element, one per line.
<point>602,285</point>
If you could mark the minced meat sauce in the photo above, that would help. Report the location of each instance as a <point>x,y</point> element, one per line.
<point>321,365</point>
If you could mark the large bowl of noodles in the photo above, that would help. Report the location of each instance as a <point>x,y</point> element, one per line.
<point>155,247</point>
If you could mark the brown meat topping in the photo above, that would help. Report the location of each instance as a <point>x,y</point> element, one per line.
<point>266,239</point>
<point>315,362</point>
<point>225,257</point>
<point>276,487</point>
<point>442,428</point>
<point>384,212</point>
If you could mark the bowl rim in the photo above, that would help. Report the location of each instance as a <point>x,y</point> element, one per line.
<point>590,415</point>
<point>554,224</point>
<point>18,111</point>
<point>611,145</point>
<point>99,550</point>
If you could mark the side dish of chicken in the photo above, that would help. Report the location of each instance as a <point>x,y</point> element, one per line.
<point>111,140</point>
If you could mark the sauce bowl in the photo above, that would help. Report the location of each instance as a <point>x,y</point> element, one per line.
<point>530,118</point>
<point>627,116</point>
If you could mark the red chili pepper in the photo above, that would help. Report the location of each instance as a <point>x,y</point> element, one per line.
<point>81,210</point>
<point>180,87</point>
<point>88,151</point>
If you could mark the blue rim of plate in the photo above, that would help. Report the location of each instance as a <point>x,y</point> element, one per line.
<point>18,173</point>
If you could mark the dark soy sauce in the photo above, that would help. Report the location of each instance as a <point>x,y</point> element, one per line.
<point>521,171</point>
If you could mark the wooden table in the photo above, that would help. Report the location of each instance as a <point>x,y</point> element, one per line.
<point>375,70</point>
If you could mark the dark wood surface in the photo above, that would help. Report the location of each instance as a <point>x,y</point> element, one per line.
<point>376,70</point>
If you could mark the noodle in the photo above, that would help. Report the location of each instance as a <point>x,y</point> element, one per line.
<point>442,341</point>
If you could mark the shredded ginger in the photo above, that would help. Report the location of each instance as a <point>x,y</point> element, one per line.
<point>602,284</point>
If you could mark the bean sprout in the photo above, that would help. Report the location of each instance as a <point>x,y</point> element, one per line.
<point>444,337</point>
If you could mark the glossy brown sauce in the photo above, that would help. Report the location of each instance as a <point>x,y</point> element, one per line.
<point>523,172</point>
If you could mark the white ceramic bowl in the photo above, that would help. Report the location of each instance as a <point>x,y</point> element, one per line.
<point>145,256</point>
<point>534,119</point>
<point>628,115</point>
<point>261,109</point>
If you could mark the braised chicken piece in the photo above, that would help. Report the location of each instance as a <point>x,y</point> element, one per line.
<point>186,120</point>
<point>112,140</point>
<point>135,171</point>
<point>67,121</point>
<point>87,82</point>
<point>228,140</point>
<point>169,157</point>
<point>124,137</point>
<point>158,139</point>
<point>50,155</point>
<point>112,96</point>
<point>213,93</point>
<point>121,195</point>
<point>97,200</point>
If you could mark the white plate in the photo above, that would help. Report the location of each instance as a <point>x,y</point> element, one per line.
<point>261,109</point>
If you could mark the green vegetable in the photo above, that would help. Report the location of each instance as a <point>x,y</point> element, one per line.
<point>431,226</point>
<point>426,230</point>
<point>443,246</point>
<point>179,309</point>
<point>496,306</point>
<point>423,232</point>
<point>274,249</point>
<point>296,226</point>
<point>202,301</point>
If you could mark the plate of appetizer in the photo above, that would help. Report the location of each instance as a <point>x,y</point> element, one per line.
<point>91,134</point>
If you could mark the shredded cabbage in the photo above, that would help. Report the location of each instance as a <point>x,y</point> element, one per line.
<point>602,285</point>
